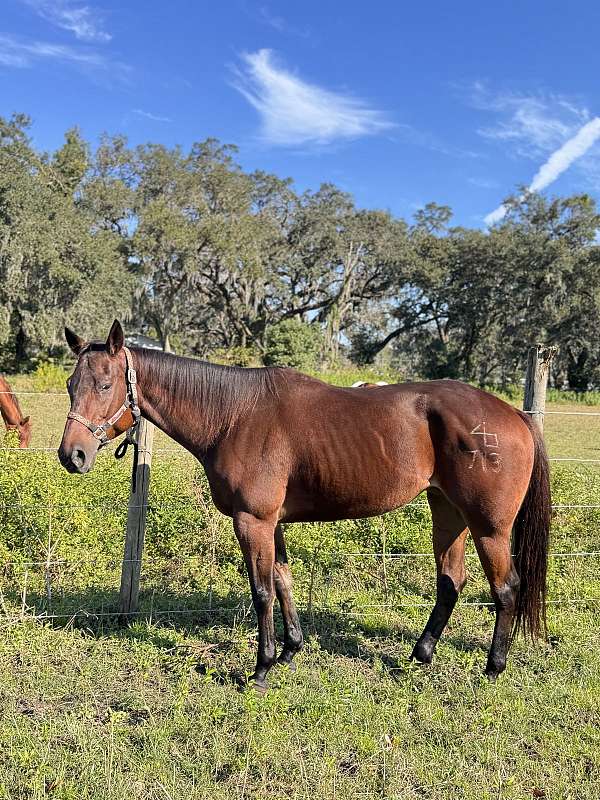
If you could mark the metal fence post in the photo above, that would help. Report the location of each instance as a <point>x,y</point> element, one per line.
<point>136,520</point>
<point>536,380</point>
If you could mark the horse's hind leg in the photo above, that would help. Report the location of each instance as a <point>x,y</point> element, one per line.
<point>493,546</point>
<point>292,632</point>
<point>449,537</point>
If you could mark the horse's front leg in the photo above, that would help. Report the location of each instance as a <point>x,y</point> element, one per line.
<point>257,541</point>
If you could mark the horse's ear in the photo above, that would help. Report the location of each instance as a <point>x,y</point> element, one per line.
<point>116,338</point>
<point>76,343</point>
<point>24,421</point>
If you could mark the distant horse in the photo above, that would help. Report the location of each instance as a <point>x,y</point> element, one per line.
<point>11,414</point>
<point>278,446</point>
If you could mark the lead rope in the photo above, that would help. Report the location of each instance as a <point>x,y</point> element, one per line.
<point>121,451</point>
<point>130,435</point>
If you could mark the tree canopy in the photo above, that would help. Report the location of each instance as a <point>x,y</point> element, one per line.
<point>190,248</point>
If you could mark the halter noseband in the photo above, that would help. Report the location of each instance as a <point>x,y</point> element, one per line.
<point>100,432</point>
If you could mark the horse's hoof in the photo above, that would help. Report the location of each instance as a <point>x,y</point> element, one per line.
<point>289,664</point>
<point>493,674</point>
<point>493,671</point>
<point>422,656</point>
<point>424,649</point>
<point>258,687</point>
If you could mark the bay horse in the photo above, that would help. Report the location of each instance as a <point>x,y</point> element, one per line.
<point>278,446</point>
<point>11,414</point>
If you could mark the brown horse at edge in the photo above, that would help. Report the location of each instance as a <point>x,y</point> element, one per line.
<point>11,414</point>
<point>278,446</point>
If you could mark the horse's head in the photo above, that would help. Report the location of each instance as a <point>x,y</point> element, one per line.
<point>22,429</point>
<point>103,398</point>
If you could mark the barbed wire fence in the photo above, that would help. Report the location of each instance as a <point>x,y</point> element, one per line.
<point>139,505</point>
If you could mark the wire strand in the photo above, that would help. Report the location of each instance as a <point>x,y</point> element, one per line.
<point>375,610</point>
<point>61,562</point>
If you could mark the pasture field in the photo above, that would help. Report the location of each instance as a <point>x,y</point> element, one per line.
<point>89,709</point>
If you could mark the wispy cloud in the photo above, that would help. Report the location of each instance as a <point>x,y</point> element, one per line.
<point>280,24</point>
<point>18,53</point>
<point>140,112</point>
<point>294,112</point>
<point>560,160</point>
<point>12,58</point>
<point>530,124</point>
<point>83,21</point>
<point>553,129</point>
<point>272,20</point>
<point>21,53</point>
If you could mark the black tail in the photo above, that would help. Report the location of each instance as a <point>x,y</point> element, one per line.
<point>530,542</point>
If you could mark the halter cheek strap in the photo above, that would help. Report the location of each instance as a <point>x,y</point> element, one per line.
<point>105,432</point>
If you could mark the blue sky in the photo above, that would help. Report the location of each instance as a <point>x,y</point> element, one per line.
<point>397,103</point>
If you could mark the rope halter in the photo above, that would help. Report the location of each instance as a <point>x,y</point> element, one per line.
<point>105,432</point>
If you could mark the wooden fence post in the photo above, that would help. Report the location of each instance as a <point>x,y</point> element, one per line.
<point>536,380</point>
<point>136,520</point>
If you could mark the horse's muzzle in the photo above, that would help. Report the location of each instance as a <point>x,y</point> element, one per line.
<point>76,460</point>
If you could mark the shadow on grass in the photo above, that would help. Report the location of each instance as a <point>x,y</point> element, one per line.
<point>163,618</point>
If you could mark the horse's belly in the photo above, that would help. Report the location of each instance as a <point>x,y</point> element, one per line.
<point>305,503</point>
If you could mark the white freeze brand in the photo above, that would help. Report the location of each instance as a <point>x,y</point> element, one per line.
<point>488,455</point>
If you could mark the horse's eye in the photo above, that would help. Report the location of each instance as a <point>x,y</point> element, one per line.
<point>105,387</point>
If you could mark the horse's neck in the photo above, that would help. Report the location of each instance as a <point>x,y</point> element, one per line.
<point>180,407</point>
<point>155,397</point>
<point>9,408</point>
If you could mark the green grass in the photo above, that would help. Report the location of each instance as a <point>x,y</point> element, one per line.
<point>156,710</point>
<point>152,712</point>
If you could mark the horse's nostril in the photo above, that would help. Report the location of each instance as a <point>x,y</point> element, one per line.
<point>78,458</point>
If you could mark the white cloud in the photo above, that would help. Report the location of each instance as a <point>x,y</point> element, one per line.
<point>566,155</point>
<point>559,161</point>
<point>532,124</point>
<point>19,53</point>
<point>294,112</point>
<point>84,22</point>
<point>495,216</point>
<point>151,116</point>
<point>529,126</point>
<point>549,128</point>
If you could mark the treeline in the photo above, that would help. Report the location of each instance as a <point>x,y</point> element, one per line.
<point>188,247</point>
